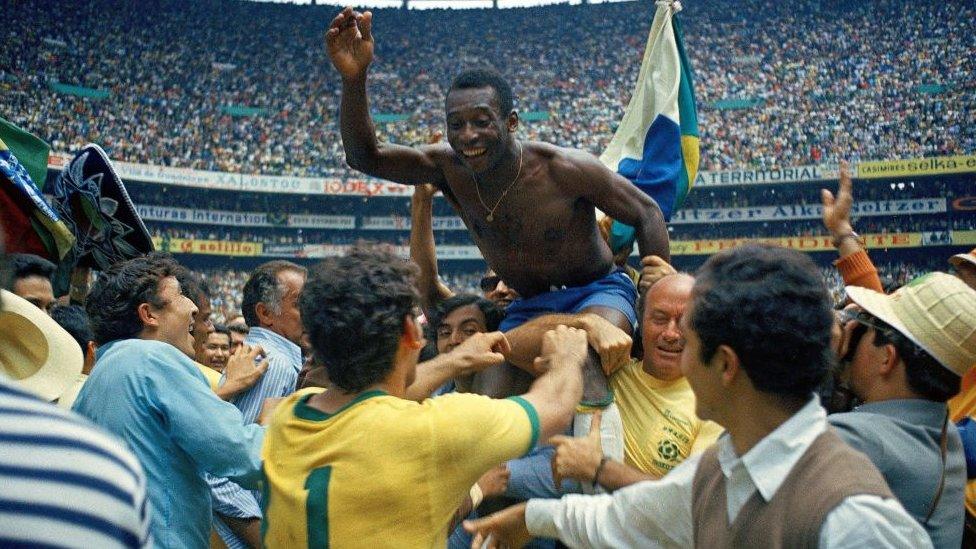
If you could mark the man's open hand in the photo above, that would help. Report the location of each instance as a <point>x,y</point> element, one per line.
<point>505,528</point>
<point>577,457</point>
<point>349,41</point>
<point>243,370</point>
<point>837,209</point>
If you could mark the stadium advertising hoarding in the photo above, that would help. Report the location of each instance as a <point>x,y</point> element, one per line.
<point>208,247</point>
<point>938,165</point>
<point>808,211</point>
<point>822,243</point>
<point>796,174</point>
<point>365,186</point>
<point>244,219</point>
<point>397,223</point>
<point>678,247</point>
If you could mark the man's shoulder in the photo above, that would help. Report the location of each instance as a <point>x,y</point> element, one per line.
<point>23,411</point>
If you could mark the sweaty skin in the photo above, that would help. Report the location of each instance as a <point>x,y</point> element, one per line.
<point>541,197</point>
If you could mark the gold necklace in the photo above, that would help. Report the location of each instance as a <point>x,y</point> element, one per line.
<point>491,211</point>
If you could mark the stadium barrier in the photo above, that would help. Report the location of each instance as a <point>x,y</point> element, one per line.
<point>366,186</point>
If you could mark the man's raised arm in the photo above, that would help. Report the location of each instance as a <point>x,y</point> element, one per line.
<point>349,41</point>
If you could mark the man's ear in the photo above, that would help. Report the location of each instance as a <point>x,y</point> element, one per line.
<point>512,122</point>
<point>891,360</point>
<point>728,363</point>
<point>146,315</point>
<point>264,314</point>
<point>413,335</point>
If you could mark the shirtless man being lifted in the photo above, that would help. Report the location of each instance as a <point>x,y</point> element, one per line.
<point>529,206</point>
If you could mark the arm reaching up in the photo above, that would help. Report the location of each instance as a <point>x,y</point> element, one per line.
<point>350,44</point>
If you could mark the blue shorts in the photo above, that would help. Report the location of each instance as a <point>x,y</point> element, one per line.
<point>616,291</point>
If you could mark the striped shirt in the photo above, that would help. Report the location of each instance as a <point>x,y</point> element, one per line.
<point>281,379</point>
<point>64,483</point>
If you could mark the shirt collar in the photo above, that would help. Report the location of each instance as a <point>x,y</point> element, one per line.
<point>274,343</point>
<point>915,411</point>
<point>771,460</point>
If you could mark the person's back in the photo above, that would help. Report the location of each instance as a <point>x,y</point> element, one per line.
<point>356,465</point>
<point>903,441</point>
<point>383,469</point>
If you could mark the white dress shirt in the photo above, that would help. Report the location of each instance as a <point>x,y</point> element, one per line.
<point>658,513</point>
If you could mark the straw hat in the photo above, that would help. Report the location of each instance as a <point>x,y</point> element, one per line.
<point>35,352</point>
<point>936,311</point>
<point>959,259</point>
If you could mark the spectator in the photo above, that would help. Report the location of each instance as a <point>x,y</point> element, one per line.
<point>907,356</point>
<point>657,405</point>
<point>408,480</point>
<point>147,391</point>
<point>94,490</point>
<point>31,279</point>
<point>75,321</point>
<point>270,307</point>
<point>217,348</point>
<point>789,479</point>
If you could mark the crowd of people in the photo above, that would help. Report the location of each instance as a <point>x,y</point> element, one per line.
<point>229,392</point>
<point>826,80</point>
<point>565,395</point>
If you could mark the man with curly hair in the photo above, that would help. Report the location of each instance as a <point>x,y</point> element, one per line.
<point>146,389</point>
<point>359,464</point>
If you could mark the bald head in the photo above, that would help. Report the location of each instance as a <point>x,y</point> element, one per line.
<point>663,305</point>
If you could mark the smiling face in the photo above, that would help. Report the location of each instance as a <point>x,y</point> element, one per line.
<point>173,322</point>
<point>478,132</point>
<point>217,350</point>
<point>661,331</point>
<point>458,325</point>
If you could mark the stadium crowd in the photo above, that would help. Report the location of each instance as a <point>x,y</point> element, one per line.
<point>748,398</point>
<point>825,79</point>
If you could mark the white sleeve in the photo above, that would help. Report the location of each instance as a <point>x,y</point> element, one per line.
<point>654,513</point>
<point>872,521</point>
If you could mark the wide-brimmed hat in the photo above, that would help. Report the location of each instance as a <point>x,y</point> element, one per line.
<point>90,197</point>
<point>937,311</point>
<point>35,351</point>
<point>959,259</point>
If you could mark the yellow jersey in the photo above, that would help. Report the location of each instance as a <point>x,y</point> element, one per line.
<point>213,376</point>
<point>383,471</point>
<point>660,426</point>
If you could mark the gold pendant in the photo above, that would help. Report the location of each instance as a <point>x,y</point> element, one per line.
<point>491,217</point>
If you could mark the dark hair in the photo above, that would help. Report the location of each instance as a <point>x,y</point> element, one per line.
<point>25,265</point>
<point>353,309</point>
<point>75,321</point>
<point>492,313</point>
<point>486,77</point>
<point>925,375</point>
<point>113,302</point>
<point>221,329</point>
<point>238,328</point>
<point>771,306</point>
<point>263,287</point>
<point>196,287</point>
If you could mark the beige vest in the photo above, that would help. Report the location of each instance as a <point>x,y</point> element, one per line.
<point>829,472</point>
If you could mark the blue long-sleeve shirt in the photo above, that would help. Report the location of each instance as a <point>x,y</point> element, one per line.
<point>153,397</point>
<point>281,379</point>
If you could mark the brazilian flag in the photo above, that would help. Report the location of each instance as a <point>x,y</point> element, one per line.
<point>656,144</point>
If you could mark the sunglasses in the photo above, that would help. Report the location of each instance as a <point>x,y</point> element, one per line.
<point>489,283</point>
<point>864,321</point>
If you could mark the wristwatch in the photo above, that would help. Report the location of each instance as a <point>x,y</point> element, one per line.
<point>837,240</point>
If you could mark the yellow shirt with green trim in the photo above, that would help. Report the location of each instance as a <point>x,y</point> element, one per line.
<point>660,426</point>
<point>383,471</point>
<point>213,376</point>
